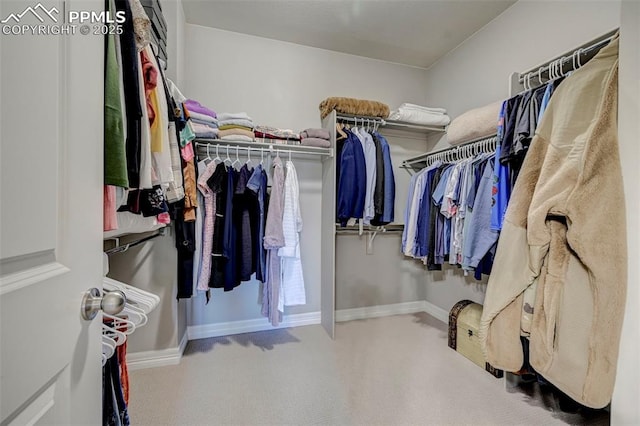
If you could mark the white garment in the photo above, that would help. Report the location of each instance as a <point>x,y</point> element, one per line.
<point>457,221</point>
<point>414,211</point>
<point>175,92</point>
<point>146,177</point>
<point>292,290</point>
<point>197,254</point>
<point>370,162</point>
<point>162,159</point>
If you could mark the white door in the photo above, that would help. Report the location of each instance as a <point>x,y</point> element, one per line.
<point>51,96</point>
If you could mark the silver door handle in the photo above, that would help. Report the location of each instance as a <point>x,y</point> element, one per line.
<point>111,303</point>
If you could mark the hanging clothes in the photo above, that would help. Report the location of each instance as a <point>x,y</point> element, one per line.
<point>273,241</point>
<point>365,178</point>
<point>115,162</point>
<point>445,221</point>
<point>258,184</point>
<point>352,180</point>
<point>293,291</point>
<point>552,235</point>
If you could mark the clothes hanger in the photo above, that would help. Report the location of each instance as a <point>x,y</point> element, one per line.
<point>228,158</point>
<point>248,157</point>
<point>339,129</point>
<point>108,347</point>
<point>217,159</point>
<point>261,155</point>
<point>118,336</point>
<point>540,76</point>
<point>119,322</point>
<point>237,160</point>
<point>208,156</point>
<point>290,156</point>
<point>134,295</point>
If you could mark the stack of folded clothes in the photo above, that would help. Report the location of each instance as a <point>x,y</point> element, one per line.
<point>236,126</point>
<point>275,135</point>
<point>203,121</point>
<point>412,113</point>
<point>315,137</point>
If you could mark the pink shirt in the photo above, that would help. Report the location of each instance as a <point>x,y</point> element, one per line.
<point>207,227</point>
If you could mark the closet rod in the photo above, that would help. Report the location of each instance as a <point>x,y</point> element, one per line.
<point>407,164</point>
<point>124,247</point>
<point>360,118</point>
<point>583,53</point>
<point>385,229</point>
<point>260,147</point>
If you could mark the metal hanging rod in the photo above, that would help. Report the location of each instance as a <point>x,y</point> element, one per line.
<point>124,247</point>
<point>272,148</point>
<point>360,119</point>
<point>453,153</point>
<point>556,67</point>
<point>385,229</point>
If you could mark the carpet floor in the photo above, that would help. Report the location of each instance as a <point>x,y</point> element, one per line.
<point>393,370</point>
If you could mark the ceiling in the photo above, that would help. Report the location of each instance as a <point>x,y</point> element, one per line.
<point>411,32</point>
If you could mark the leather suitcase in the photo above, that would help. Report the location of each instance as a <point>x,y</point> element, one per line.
<point>464,321</point>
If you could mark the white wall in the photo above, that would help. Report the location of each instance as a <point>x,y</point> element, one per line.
<point>281,84</point>
<point>477,73</point>
<point>625,407</point>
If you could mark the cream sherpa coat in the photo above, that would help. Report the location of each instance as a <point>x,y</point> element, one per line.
<point>565,228</point>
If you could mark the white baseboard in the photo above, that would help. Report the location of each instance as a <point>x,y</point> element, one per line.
<point>436,312</point>
<point>161,358</point>
<point>379,311</point>
<point>248,326</point>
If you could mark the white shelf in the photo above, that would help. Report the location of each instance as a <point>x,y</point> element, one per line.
<point>413,127</point>
<point>393,124</point>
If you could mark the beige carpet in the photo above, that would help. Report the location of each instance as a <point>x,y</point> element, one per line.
<point>386,371</point>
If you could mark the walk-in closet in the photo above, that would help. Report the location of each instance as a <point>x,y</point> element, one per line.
<point>319,212</point>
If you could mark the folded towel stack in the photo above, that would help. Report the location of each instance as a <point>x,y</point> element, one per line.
<point>203,120</point>
<point>276,135</point>
<point>316,137</point>
<point>417,114</point>
<point>235,126</point>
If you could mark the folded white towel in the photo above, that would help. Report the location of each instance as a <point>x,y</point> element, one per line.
<point>420,117</point>
<point>422,108</point>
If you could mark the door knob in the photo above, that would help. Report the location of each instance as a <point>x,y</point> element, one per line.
<point>111,303</point>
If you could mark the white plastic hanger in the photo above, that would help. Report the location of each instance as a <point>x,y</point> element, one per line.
<point>208,156</point>
<point>248,157</point>
<point>118,336</point>
<point>121,323</point>
<point>228,158</point>
<point>237,161</point>
<point>540,76</point>
<point>217,159</point>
